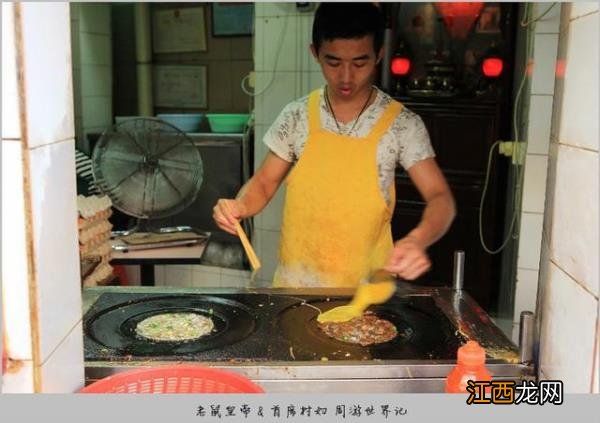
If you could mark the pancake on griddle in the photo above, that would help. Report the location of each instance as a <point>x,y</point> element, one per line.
<point>175,327</point>
<point>367,329</point>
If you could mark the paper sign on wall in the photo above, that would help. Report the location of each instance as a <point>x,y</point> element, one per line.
<point>180,86</point>
<point>179,30</point>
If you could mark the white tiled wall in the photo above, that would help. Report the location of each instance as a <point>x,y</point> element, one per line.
<point>15,265</point>
<point>41,173</point>
<point>296,74</point>
<point>568,293</point>
<point>92,68</point>
<point>184,276</point>
<point>10,108</point>
<point>46,83</point>
<point>16,342</point>
<point>539,98</point>
<point>55,241</point>
<point>568,332</point>
<point>580,95</point>
<point>63,370</point>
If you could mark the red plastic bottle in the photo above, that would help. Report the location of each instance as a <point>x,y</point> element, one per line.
<point>470,365</point>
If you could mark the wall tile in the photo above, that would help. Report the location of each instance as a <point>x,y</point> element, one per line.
<point>530,241</point>
<point>526,292</point>
<point>544,56</point>
<point>551,21</point>
<point>234,282</point>
<point>561,60</point>
<point>55,236</point>
<point>10,100</point>
<point>15,283</point>
<point>96,112</point>
<point>74,11</point>
<point>280,44</point>
<point>159,275</point>
<point>79,134</point>
<point>260,33</point>
<point>96,80</point>
<point>274,9</point>
<point>242,274</point>
<point>241,102</point>
<point>580,8</point>
<point>48,81</point>
<point>280,90</point>
<point>257,245</point>
<point>63,371</point>
<point>595,372</point>
<point>579,117</point>
<point>77,87</point>
<point>269,243</point>
<point>95,18</point>
<point>534,185</point>
<point>75,45</point>
<point>96,49</point>
<point>538,132</point>
<point>316,80</point>
<point>568,332</point>
<point>178,275</point>
<point>206,276</point>
<point>309,63</point>
<point>575,222</point>
<point>235,278</point>
<point>20,381</point>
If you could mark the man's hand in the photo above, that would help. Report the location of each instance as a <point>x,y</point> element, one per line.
<point>227,212</point>
<point>409,259</point>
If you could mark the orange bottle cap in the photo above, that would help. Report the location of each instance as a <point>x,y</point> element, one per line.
<point>471,354</point>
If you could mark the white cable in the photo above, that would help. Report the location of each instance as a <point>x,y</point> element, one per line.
<point>277,54</point>
<point>530,25</point>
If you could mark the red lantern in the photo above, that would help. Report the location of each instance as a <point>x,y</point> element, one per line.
<point>400,66</point>
<point>459,16</point>
<point>492,67</point>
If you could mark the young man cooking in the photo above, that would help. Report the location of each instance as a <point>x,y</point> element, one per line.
<point>337,150</point>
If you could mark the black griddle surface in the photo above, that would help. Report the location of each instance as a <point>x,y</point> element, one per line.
<point>262,327</point>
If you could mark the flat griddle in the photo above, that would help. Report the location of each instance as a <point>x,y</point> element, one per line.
<point>262,327</point>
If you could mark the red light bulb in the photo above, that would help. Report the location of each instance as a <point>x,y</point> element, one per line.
<point>492,67</point>
<point>400,66</point>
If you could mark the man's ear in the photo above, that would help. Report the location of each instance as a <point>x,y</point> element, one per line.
<point>313,50</point>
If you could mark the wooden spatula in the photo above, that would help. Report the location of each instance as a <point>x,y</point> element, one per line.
<point>250,253</point>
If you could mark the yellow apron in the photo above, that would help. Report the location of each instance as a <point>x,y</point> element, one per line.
<point>336,222</point>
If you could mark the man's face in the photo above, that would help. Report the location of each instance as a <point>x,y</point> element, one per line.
<point>348,65</point>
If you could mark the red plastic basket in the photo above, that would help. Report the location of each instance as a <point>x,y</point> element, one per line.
<point>180,379</point>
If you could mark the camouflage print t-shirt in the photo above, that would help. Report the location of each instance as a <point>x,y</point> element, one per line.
<point>405,143</point>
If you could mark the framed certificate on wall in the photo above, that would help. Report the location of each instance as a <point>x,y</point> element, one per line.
<point>180,86</point>
<point>232,19</point>
<point>179,30</point>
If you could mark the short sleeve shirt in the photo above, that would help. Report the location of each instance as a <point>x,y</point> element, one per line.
<point>405,143</point>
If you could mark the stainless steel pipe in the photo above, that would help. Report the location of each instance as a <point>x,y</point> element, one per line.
<point>459,270</point>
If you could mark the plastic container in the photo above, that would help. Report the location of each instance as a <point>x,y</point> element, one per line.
<point>470,365</point>
<point>183,122</point>
<point>227,123</point>
<point>179,379</point>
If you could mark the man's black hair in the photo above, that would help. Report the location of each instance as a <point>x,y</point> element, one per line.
<point>348,21</point>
